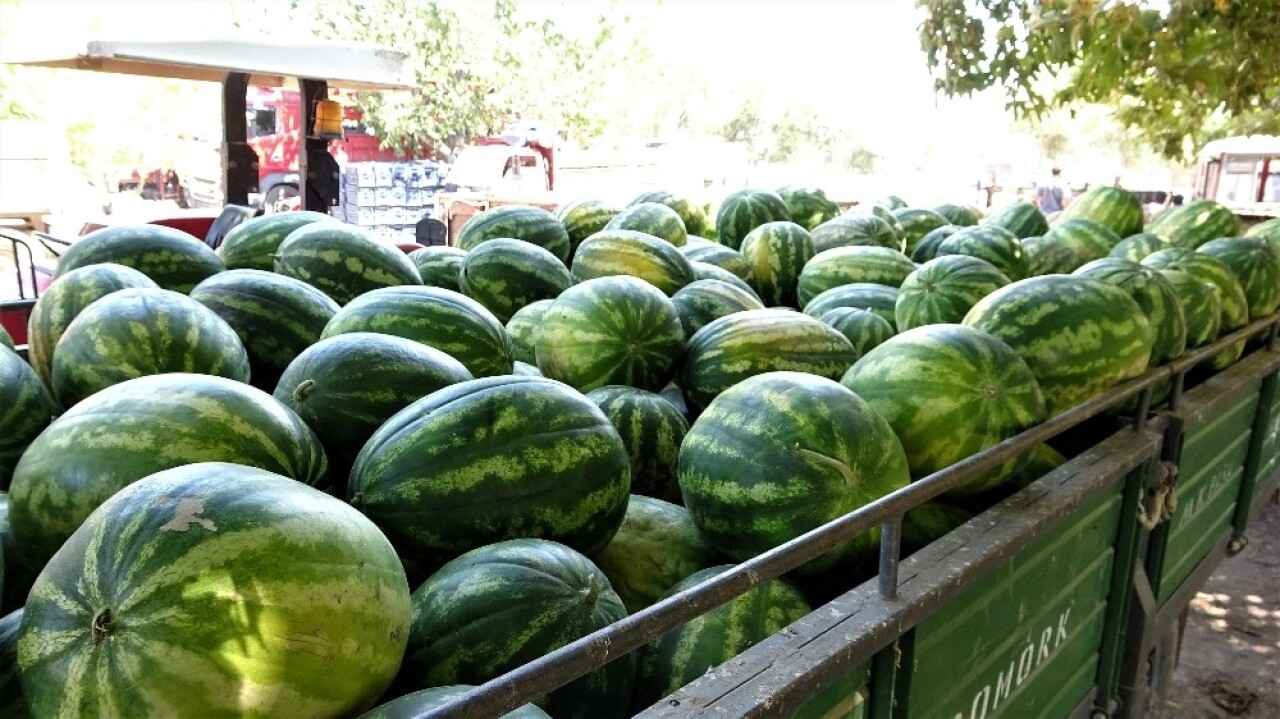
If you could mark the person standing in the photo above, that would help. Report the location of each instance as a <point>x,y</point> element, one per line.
<point>1051,195</point>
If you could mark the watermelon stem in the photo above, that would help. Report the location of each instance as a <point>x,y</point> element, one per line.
<point>592,592</point>
<point>821,458</point>
<point>303,389</point>
<point>102,625</point>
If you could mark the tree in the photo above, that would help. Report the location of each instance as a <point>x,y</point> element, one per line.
<point>1178,72</point>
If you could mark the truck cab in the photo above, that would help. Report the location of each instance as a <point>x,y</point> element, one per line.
<point>1242,173</point>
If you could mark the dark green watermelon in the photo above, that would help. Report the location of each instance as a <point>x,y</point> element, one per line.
<point>517,222</point>
<point>439,266</point>
<point>651,428</point>
<point>252,244</point>
<point>343,261</point>
<point>172,259</point>
<point>745,210</point>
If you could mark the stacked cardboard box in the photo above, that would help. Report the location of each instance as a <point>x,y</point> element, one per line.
<point>389,198</point>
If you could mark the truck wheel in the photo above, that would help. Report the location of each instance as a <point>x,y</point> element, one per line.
<point>274,201</point>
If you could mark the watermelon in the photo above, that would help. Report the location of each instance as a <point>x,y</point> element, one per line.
<point>1137,247</point>
<point>943,291</point>
<point>439,266</point>
<point>744,210</point>
<point>524,369</point>
<point>1201,305</point>
<point>673,394</point>
<point>18,575</point>
<point>584,218</point>
<point>891,202</point>
<point>1235,303</point>
<point>775,253</point>
<point>781,453</point>
<point>172,259</point>
<point>6,341</point>
<point>1078,335</point>
<point>693,217</point>
<point>25,410</point>
<point>275,317</point>
<point>703,301</point>
<point>517,222</point>
<point>961,215</point>
<point>523,328</point>
<point>64,300</point>
<point>1087,239</point>
<point>808,206</point>
<point>707,271</point>
<point>880,299</point>
<point>147,605</point>
<point>13,703</point>
<point>1115,208</point>
<point>252,244</point>
<point>927,248</point>
<point>742,345</point>
<point>863,328</point>
<point>612,330</point>
<point>140,427</point>
<point>416,704</point>
<point>916,223</point>
<point>346,387</point>
<point>887,215</point>
<point>436,317</point>
<point>855,231</point>
<point>501,606</point>
<point>636,254</point>
<point>684,654</point>
<point>1267,230</point>
<point>1156,297</point>
<point>343,261</point>
<point>139,332</point>
<point>651,218</point>
<point>494,459</point>
<point>1021,218</point>
<point>1195,223</point>
<point>651,428</point>
<point>847,265</point>
<point>929,522</point>
<point>949,391</point>
<point>716,254</point>
<point>1256,263</point>
<point>1047,256</point>
<point>505,275</point>
<point>657,546</point>
<point>993,244</point>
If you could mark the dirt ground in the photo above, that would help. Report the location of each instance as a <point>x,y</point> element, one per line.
<point>1230,662</point>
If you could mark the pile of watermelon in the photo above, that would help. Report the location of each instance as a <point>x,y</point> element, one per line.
<point>310,475</point>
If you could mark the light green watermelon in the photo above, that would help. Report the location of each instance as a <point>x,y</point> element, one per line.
<point>776,253</point>
<point>652,218</point>
<point>505,275</point>
<point>744,210</point>
<point>635,254</point>
<point>847,265</point>
<point>657,546</point>
<point>864,329</point>
<point>943,290</point>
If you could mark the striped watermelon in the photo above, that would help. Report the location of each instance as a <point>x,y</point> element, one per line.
<point>1201,306</point>
<point>886,214</point>
<point>346,387</point>
<point>657,546</point>
<point>993,244</point>
<point>505,275</point>
<point>707,271</point>
<point>25,410</point>
<point>275,317</point>
<point>943,291</point>
<point>745,210</point>
<point>864,329</point>
<point>1195,223</point>
<point>5,340</point>
<point>65,299</point>
<point>891,202</point>
<point>651,218</point>
<point>916,223</point>
<point>1137,247</point>
<point>524,369</point>
<point>523,329</point>
<point>416,704</point>
<point>171,258</point>
<point>693,217</point>
<point>704,301</point>
<point>252,244</point>
<point>742,345</point>
<point>949,391</point>
<point>1256,263</point>
<point>847,265</point>
<point>880,299</point>
<point>13,703</point>
<point>343,261</point>
<point>143,426</point>
<point>584,218</point>
<point>504,605</point>
<point>808,206</point>
<point>18,576</point>
<point>962,215</point>
<point>1156,297</point>
<point>636,254</point>
<point>855,230</point>
<point>1115,208</point>
<point>1235,303</point>
<point>517,222</point>
<point>448,321</point>
<point>927,248</point>
<point>1078,335</point>
<point>439,266</point>
<point>1021,218</point>
<point>775,253</point>
<point>716,254</point>
<point>929,522</point>
<point>781,453</point>
<point>1089,240</point>
<point>612,330</point>
<point>144,611</point>
<point>684,654</point>
<point>1267,230</point>
<point>1047,256</point>
<point>139,332</point>
<point>651,428</point>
